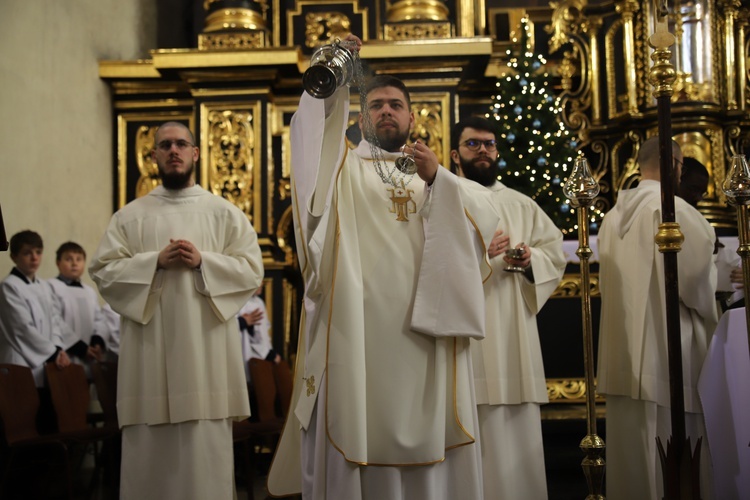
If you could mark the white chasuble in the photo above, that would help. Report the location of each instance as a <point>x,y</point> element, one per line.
<point>398,390</point>
<point>180,354</point>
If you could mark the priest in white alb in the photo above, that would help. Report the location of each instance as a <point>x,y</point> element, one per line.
<point>177,265</point>
<point>633,366</point>
<point>508,369</point>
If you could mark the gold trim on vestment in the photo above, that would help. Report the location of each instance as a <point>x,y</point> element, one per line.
<point>481,240</point>
<point>455,398</point>
<point>299,224</point>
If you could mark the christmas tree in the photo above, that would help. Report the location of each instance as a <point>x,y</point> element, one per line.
<point>536,149</point>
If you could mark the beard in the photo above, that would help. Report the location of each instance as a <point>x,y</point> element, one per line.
<point>486,176</point>
<point>391,139</point>
<point>176,180</point>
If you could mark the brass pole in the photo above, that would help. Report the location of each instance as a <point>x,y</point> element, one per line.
<point>736,187</point>
<point>581,189</point>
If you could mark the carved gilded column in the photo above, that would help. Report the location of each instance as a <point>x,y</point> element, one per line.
<point>731,9</point>
<point>591,28</point>
<point>742,24</point>
<point>234,24</point>
<point>417,19</point>
<point>467,20</point>
<point>627,10</point>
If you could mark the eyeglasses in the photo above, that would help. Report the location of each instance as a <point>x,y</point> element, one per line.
<point>476,144</point>
<point>166,144</point>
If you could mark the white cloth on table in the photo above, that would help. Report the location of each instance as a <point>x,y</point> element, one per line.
<point>725,395</point>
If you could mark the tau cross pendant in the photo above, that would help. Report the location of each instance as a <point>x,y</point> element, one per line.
<point>401,203</point>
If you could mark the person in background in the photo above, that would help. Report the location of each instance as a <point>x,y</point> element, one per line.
<point>177,265</point>
<point>31,328</point>
<point>79,305</point>
<point>693,188</point>
<point>254,330</point>
<point>633,367</point>
<point>508,371</point>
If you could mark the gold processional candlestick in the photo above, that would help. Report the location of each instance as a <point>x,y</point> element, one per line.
<point>581,188</point>
<point>736,187</point>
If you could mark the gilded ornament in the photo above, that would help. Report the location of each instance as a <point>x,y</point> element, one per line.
<point>144,144</point>
<point>322,28</point>
<point>418,31</point>
<point>231,161</point>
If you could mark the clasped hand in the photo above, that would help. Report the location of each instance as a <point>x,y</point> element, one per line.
<point>179,253</point>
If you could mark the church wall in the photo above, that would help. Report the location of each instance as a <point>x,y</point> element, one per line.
<point>55,115</point>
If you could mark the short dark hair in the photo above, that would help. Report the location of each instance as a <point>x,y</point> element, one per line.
<point>475,122</point>
<point>380,81</point>
<point>27,237</point>
<point>174,124</point>
<point>71,247</point>
<point>694,180</point>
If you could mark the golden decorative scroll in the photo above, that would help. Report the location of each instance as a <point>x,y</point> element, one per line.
<point>232,40</point>
<point>231,157</point>
<point>417,31</point>
<point>570,286</point>
<point>144,144</point>
<point>568,390</point>
<point>322,28</point>
<point>431,123</point>
<point>429,126</point>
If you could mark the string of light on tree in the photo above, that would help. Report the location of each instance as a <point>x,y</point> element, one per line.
<point>536,149</point>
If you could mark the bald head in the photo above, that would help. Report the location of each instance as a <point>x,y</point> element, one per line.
<point>648,158</point>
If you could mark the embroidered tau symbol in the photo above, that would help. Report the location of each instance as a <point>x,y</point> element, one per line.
<point>402,204</point>
<point>310,384</point>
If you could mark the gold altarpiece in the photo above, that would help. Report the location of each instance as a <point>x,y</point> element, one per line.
<point>238,89</point>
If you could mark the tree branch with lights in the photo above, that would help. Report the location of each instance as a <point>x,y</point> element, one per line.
<point>536,149</point>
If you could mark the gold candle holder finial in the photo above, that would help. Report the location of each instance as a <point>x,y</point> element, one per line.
<point>662,74</point>
<point>581,189</point>
<point>736,187</point>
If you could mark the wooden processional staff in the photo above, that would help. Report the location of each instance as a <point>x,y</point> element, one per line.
<point>677,460</point>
